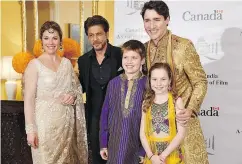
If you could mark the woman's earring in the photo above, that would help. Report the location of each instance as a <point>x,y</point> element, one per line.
<point>42,49</point>
<point>61,48</point>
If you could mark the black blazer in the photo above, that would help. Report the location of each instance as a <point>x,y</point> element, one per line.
<point>84,63</point>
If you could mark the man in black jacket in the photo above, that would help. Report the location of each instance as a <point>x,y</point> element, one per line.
<point>96,68</point>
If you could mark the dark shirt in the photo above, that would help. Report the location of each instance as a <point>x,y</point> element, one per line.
<point>102,72</point>
<point>100,75</point>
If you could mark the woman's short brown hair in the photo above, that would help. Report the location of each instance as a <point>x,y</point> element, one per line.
<point>51,25</point>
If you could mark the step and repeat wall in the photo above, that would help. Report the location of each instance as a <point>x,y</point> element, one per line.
<point>215,28</point>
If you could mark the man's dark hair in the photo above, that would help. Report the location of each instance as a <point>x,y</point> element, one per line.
<point>134,45</point>
<point>159,6</point>
<point>96,20</point>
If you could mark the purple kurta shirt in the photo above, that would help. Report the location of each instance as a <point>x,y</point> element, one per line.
<point>119,127</point>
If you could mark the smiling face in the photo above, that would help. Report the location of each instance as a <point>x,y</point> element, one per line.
<point>97,37</point>
<point>132,62</point>
<point>50,41</point>
<point>159,81</point>
<point>155,25</point>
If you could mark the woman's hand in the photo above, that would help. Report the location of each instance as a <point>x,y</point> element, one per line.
<point>32,140</point>
<point>67,99</point>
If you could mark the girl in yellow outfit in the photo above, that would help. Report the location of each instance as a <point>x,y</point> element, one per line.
<point>160,134</point>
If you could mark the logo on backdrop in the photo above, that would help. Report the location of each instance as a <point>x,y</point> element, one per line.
<point>132,33</point>
<point>210,144</point>
<point>205,48</point>
<point>211,111</point>
<point>209,50</point>
<point>134,5</point>
<point>212,16</point>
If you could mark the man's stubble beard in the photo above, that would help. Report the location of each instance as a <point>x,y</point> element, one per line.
<point>102,47</point>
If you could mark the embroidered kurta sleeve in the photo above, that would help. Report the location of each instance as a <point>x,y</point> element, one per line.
<point>197,77</point>
<point>104,134</point>
<point>30,86</point>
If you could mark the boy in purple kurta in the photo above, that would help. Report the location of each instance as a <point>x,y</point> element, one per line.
<point>122,109</point>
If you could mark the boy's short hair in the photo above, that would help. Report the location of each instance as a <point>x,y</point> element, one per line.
<point>134,45</point>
